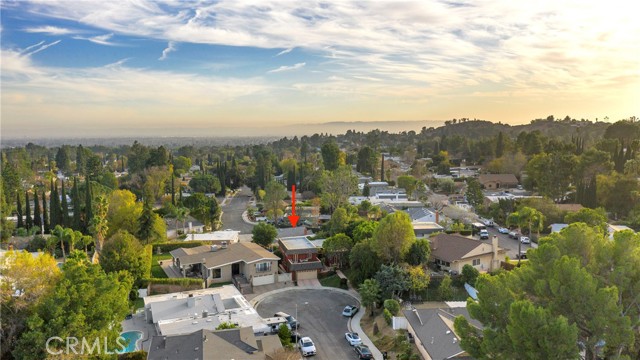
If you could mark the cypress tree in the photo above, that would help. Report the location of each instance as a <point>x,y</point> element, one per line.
<point>382,168</point>
<point>64,206</point>
<point>45,215</point>
<point>173,192</point>
<point>145,222</point>
<point>53,200</point>
<point>19,210</point>
<point>37,220</point>
<point>27,208</point>
<point>77,208</point>
<point>88,210</point>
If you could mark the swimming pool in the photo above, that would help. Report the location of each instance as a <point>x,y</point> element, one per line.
<point>133,337</point>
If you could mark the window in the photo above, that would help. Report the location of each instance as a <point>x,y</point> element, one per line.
<point>476,262</point>
<point>216,273</point>
<point>262,267</point>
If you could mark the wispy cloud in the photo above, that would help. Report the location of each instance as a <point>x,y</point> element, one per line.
<point>38,47</point>
<point>99,39</point>
<point>51,30</point>
<point>287,68</point>
<point>171,46</point>
<point>285,51</point>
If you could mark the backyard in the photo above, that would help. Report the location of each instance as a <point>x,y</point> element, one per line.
<point>156,269</point>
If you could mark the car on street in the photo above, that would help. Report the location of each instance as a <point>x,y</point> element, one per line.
<point>525,240</point>
<point>293,323</point>
<point>513,234</point>
<point>363,352</point>
<point>353,338</point>
<point>503,230</point>
<point>484,234</point>
<point>350,310</point>
<point>523,254</point>
<point>307,347</point>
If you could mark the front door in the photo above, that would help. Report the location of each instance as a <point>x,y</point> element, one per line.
<point>235,269</point>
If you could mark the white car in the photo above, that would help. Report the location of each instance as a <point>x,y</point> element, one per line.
<point>350,310</point>
<point>525,240</point>
<point>503,230</point>
<point>353,338</point>
<point>306,346</point>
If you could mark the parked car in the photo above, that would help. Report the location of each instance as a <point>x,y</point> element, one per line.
<point>523,255</point>
<point>513,234</point>
<point>353,338</point>
<point>484,234</point>
<point>363,352</point>
<point>293,323</point>
<point>295,336</point>
<point>525,240</point>
<point>307,346</point>
<point>350,310</point>
<point>503,230</point>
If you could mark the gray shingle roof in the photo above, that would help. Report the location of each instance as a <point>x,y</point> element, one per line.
<point>450,247</point>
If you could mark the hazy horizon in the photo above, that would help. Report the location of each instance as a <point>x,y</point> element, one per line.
<point>144,68</point>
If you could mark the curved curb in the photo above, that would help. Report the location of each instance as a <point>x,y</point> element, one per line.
<point>245,218</point>
<point>351,324</point>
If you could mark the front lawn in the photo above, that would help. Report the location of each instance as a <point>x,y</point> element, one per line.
<point>332,281</point>
<point>156,269</point>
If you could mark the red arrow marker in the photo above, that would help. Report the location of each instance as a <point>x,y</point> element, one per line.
<point>293,218</point>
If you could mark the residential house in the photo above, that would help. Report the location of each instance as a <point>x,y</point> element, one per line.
<point>300,257</point>
<point>188,226</point>
<point>246,264</point>
<point>557,227</point>
<point>498,181</point>
<point>435,333</point>
<point>189,311</point>
<point>423,229</point>
<point>422,214</point>
<point>452,252</point>
<point>239,343</point>
<point>612,229</point>
<point>217,237</point>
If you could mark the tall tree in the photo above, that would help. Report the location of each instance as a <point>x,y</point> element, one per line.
<point>37,220</point>
<point>27,209</point>
<point>45,214</point>
<point>64,206</point>
<point>145,222</point>
<point>393,280</point>
<point>382,173</point>
<point>124,252</point>
<point>99,225</point>
<point>274,199</point>
<point>337,248</point>
<point>88,204</point>
<point>54,206</point>
<point>363,261</point>
<point>369,293</point>
<point>474,193</point>
<point>337,186</point>
<point>330,155</point>
<point>62,159</point>
<point>19,210</point>
<point>72,305</point>
<point>394,237</point>
<point>408,183</point>
<point>77,206</point>
<point>500,144</point>
<point>419,252</point>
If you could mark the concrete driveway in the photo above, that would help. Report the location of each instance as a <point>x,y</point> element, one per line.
<point>320,316</point>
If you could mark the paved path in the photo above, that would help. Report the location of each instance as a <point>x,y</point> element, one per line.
<point>353,324</point>
<point>169,269</point>
<point>233,209</point>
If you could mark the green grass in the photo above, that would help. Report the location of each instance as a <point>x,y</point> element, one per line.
<point>156,269</point>
<point>331,281</point>
<point>215,285</point>
<point>137,304</point>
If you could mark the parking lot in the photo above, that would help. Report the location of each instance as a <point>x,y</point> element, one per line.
<point>320,317</point>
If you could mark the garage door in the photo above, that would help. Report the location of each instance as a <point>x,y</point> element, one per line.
<point>306,275</point>
<point>263,280</point>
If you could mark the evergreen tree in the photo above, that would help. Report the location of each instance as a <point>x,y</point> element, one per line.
<point>64,206</point>
<point>19,210</point>
<point>382,168</point>
<point>145,222</point>
<point>45,214</point>
<point>37,220</point>
<point>27,208</point>
<point>173,191</point>
<point>500,145</point>
<point>88,206</point>
<point>81,160</point>
<point>54,208</point>
<point>75,201</point>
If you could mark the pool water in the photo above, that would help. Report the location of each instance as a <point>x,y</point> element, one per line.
<point>132,337</point>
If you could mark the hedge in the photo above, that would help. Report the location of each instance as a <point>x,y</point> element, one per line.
<point>170,246</point>
<point>147,254</point>
<point>136,355</point>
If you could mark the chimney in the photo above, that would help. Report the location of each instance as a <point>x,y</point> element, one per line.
<point>214,248</point>
<point>191,301</point>
<point>205,313</point>
<point>305,230</point>
<point>437,217</point>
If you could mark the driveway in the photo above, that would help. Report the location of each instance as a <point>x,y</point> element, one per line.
<point>320,316</point>
<point>233,209</point>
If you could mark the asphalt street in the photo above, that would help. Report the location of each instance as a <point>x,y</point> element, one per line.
<point>320,316</point>
<point>233,209</point>
<point>511,245</point>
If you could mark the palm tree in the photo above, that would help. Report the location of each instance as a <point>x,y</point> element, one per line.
<point>58,235</point>
<point>528,218</point>
<point>99,226</point>
<point>181,215</point>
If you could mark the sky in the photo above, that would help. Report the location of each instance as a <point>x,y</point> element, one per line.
<point>207,68</point>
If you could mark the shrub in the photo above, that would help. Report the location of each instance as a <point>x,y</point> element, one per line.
<point>466,232</point>
<point>172,281</point>
<point>343,283</point>
<point>392,305</point>
<point>136,355</point>
<point>387,316</point>
<point>37,243</point>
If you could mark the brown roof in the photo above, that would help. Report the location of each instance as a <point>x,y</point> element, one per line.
<point>502,178</point>
<point>569,207</point>
<point>449,247</point>
<point>245,251</point>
